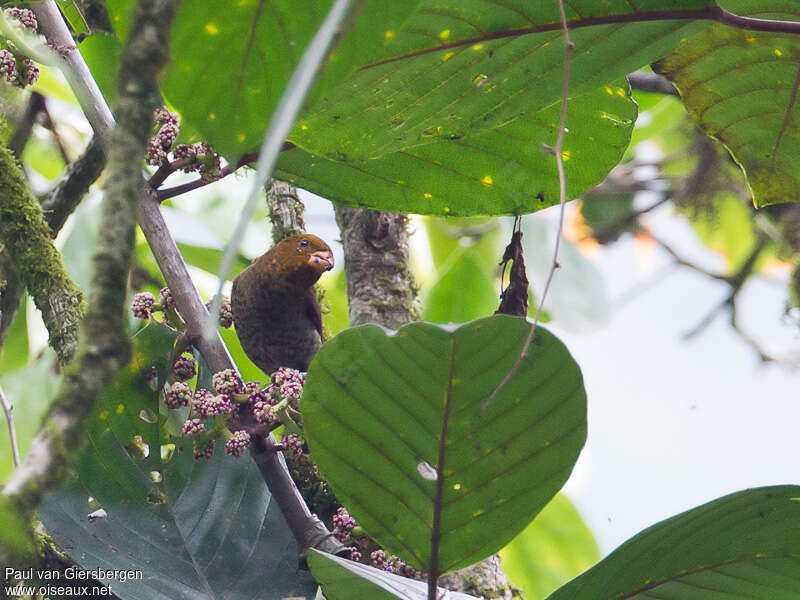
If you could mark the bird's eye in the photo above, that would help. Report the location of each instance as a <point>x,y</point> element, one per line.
<point>304,243</point>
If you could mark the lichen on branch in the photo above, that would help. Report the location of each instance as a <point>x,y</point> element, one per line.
<point>25,234</point>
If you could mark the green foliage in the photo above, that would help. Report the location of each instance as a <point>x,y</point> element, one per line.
<point>742,545</point>
<point>195,530</point>
<point>430,469</point>
<point>466,285</point>
<point>728,228</point>
<point>30,389</point>
<point>740,86</point>
<point>102,52</point>
<point>14,351</point>
<point>15,535</point>
<point>553,549</point>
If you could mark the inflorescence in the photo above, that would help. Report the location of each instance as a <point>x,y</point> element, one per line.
<point>199,157</point>
<point>15,68</point>
<point>211,411</point>
<point>144,306</point>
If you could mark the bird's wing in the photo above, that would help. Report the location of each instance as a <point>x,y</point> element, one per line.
<point>312,309</point>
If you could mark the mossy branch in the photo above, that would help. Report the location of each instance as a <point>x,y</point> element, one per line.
<point>27,240</point>
<point>104,345</point>
<point>59,203</point>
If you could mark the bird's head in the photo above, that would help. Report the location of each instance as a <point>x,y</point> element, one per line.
<point>299,259</point>
<point>314,251</point>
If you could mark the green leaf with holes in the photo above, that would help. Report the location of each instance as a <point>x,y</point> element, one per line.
<point>500,171</point>
<point>744,545</point>
<point>741,88</point>
<point>403,427</point>
<point>194,530</point>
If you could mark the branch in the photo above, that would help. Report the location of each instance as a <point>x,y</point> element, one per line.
<point>651,82</point>
<point>27,240</point>
<point>8,410</point>
<point>22,132</point>
<point>710,13</point>
<point>57,206</point>
<point>285,210</point>
<point>62,200</point>
<point>735,282</point>
<point>168,169</point>
<point>104,345</point>
<point>380,287</point>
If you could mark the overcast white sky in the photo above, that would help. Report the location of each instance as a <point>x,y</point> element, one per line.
<point>676,423</point>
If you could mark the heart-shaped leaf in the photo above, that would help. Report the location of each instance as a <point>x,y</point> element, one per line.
<point>403,427</point>
<point>343,579</point>
<point>744,545</point>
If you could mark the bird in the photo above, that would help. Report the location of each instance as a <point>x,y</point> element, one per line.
<point>275,310</point>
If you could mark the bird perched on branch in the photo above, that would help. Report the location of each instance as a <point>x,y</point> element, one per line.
<point>275,309</point>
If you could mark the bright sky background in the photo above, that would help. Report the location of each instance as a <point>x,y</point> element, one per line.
<point>676,423</point>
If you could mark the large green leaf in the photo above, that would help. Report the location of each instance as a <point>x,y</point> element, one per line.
<point>553,549</point>
<point>744,545</point>
<point>343,579</point>
<point>195,530</point>
<point>500,171</point>
<point>472,81</point>
<point>439,118</point>
<point>741,88</point>
<point>404,431</point>
<point>233,60</point>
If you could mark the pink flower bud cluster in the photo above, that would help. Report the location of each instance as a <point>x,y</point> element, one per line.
<point>15,69</point>
<point>144,304</point>
<point>159,145</point>
<point>225,312</point>
<point>343,524</point>
<point>184,368</point>
<point>237,444</point>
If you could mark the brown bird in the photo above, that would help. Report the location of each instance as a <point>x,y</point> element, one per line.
<point>275,309</point>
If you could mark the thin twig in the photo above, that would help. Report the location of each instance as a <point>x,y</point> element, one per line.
<point>166,170</point>
<point>22,132</point>
<point>280,123</point>
<point>562,200</point>
<point>8,409</point>
<point>48,123</point>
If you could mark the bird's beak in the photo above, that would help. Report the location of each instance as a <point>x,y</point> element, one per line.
<point>322,259</point>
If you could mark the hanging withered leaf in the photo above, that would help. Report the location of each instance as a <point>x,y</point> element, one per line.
<point>514,298</point>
